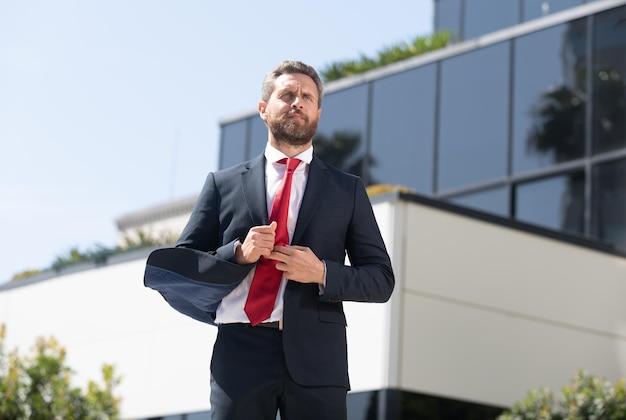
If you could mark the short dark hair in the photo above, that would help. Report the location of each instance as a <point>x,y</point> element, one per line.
<point>291,67</point>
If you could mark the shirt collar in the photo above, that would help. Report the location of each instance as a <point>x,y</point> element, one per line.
<point>274,155</point>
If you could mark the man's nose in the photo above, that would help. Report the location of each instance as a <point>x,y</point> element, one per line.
<point>297,102</point>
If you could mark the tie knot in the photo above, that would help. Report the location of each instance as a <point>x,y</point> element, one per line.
<point>292,163</point>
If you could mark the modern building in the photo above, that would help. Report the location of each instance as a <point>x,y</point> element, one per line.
<point>510,253</point>
<point>525,118</point>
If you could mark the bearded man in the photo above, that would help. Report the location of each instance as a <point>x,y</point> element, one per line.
<point>278,270</point>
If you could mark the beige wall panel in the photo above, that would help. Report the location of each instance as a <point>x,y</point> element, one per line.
<point>471,353</point>
<point>460,258</point>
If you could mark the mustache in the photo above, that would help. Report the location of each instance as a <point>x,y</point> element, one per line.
<point>295,111</point>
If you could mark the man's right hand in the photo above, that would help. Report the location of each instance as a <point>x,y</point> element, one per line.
<point>259,243</point>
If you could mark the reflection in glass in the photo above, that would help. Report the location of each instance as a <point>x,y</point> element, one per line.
<point>555,203</point>
<point>550,98</point>
<point>495,200</point>
<point>340,150</point>
<point>448,16</point>
<point>233,143</point>
<point>341,131</point>
<point>485,16</point>
<point>609,120</point>
<point>403,125</point>
<point>537,8</point>
<point>473,117</point>
<point>609,203</point>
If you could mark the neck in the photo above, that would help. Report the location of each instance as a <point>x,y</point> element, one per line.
<point>290,150</point>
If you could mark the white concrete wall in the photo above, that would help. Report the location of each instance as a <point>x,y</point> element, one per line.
<point>489,312</point>
<point>107,315</point>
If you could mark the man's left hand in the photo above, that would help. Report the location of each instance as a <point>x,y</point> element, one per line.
<point>299,263</point>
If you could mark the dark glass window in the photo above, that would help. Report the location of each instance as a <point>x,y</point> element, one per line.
<point>555,203</point>
<point>609,77</point>
<point>609,203</point>
<point>258,136</point>
<point>485,16</point>
<point>397,404</point>
<point>340,138</point>
<point>537,8</point>
<point>495,200</point>
<point>233,145</point>
<point>448,16</point>
<point>403,125</point>
<point>473,117</point>
<point>549,99</point>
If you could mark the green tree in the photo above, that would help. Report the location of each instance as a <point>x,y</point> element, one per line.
<point>586,397</point>
<point>37,387</point>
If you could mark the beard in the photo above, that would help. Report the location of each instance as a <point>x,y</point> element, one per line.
<point>286,130</point>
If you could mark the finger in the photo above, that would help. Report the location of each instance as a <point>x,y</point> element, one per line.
<point>273,226</point>
<point>283,249</point>
<point>278,256</point>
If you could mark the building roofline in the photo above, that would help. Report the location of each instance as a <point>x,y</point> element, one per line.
<point>449,207</point>
<point>157,213</point>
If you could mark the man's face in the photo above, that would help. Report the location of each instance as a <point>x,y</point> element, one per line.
<point>292,111</point>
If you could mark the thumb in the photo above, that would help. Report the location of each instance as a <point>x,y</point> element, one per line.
<point>273,225</point>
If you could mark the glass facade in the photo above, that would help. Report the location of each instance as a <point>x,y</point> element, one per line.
<point>467,19</point>
<point>556,202</point>
<point>472,139</point>
<point>341,134</point>
<point>609,80</point>
<point>549,100</point>
<point>403,124</point>
<point>519,128</point>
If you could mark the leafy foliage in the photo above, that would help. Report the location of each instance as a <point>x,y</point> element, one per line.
<point>37,387</point>
<point>585,398</point>
<point>388,55</point>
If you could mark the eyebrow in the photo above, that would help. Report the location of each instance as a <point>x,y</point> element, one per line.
<point>292,88</point>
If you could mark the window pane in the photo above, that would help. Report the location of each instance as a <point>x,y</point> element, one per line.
<point>609,203</point>
<point>609,120</point>
<point>491,201</point>
<point>233,145</point>
<point>549,99</point>
<point>556,202</point>
<point>485,16</point>
<point>448,16</point>
<point>403,124</point>
<point>340,138</point>
<point>537,8</point>
<point>473,139</point>
<point>258,136</point>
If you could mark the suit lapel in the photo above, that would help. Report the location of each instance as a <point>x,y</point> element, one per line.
<point>313,194</point>
<point>253,184</point>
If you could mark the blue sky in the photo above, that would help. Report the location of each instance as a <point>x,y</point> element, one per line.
<point>109,107</point>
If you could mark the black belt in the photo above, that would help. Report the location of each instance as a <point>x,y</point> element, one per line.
<point>274,325</point>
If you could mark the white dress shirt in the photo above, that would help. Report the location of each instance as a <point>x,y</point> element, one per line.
<point>231,308</point>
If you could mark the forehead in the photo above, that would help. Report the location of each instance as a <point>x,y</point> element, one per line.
<point>295,81</point>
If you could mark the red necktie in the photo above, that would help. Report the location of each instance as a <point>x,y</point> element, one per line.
<point>266,281</point>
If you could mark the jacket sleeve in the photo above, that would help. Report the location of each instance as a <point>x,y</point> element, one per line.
<point>194,276</point>
<point>369,277</point>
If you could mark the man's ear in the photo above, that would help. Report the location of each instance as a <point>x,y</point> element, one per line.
<point>262,107</point>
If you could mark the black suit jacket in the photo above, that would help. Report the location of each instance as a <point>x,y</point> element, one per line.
<point>335,219</point>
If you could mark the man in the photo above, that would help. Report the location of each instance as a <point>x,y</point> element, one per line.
<point>290,356</point>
